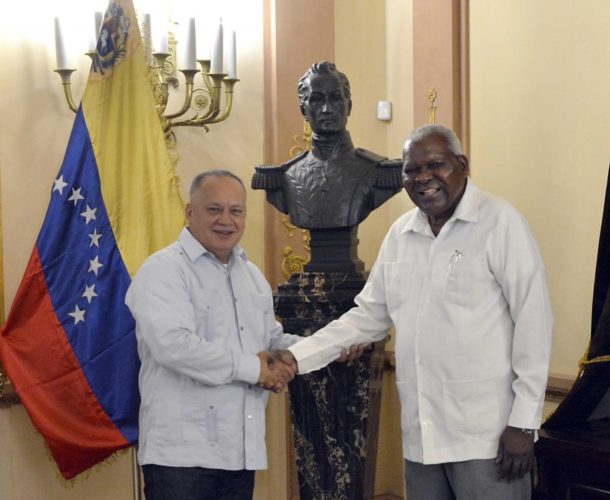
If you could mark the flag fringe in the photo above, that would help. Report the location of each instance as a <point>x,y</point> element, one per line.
<point>84,476</point>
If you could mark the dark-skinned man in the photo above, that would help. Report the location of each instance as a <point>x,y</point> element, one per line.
<point>461,279</point>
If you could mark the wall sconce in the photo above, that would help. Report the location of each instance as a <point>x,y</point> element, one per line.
<point>202,105</point>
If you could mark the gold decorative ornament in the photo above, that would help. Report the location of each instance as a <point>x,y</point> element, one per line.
<point>432,99</point>
<point>292,262</point>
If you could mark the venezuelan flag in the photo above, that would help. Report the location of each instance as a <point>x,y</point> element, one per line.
<point>69,343</point>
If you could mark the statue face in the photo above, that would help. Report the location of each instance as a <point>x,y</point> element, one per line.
<point>326,108</point>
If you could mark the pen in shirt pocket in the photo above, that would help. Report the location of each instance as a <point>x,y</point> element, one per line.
<point>454,259</point>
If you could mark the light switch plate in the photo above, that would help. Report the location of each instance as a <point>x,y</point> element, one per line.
<point>384,110</point>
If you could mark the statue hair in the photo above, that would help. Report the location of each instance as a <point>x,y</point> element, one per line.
<point>322,68</point>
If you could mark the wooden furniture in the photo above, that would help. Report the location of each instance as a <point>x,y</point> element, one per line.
<point>574,464</point>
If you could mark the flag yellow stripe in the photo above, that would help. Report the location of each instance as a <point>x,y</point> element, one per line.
<point>138,181</point>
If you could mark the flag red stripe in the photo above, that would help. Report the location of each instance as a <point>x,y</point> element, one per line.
<point>44,369</point>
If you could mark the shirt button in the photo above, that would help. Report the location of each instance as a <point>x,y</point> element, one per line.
<point>211,407</point>
<point>249,417</point>
<point>241,328</point>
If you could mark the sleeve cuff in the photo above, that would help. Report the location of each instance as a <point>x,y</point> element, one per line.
<point>247,368</point>
<point>525,414</point>
<point>309,360</point>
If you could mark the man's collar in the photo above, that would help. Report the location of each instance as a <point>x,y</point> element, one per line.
<point>468,207</point>
<point>467,210</point>
<point>194,249</point>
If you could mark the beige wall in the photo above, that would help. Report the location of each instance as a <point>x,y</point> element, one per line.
<point>540,116</point>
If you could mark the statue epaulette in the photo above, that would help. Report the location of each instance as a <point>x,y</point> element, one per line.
<point>267,177</point>
<point>369,155</point>
<point>292,161</point>
<point>389,174</point>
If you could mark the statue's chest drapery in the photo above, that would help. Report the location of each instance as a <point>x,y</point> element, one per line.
<point>329,193</point>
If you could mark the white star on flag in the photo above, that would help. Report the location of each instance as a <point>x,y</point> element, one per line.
<point>89,214</point>
<point>75,196</point>
<point>78,315</point>
<point>89,293</point>
<point>59,184</point>
<point>95,238</point>
<point>94,265</point>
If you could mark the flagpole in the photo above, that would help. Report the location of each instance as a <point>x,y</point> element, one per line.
<point>137,486</point>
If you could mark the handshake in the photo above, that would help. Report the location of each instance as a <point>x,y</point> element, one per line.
<point>280,367</point>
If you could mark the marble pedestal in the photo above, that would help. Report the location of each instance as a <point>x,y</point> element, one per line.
<point>335,410</point>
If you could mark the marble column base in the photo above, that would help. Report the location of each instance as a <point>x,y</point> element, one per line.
<point>335,410</point>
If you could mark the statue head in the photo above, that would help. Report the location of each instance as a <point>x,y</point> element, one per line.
<point>325,98</point>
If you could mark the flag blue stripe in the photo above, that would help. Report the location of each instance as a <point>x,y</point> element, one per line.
<point>99,327</point>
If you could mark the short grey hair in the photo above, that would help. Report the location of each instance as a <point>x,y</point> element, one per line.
<point>198,180</point>
<point>425,131</point>
<point>322,68</point>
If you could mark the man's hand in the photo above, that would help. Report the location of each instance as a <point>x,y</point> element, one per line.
<point>515,453</point>
<point>351,354</point>
<point>285,357</point>
<point>274,375</point>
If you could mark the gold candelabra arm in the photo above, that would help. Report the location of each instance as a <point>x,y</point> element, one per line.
<point>189,78</point>
<point>213,83</point>
<point>229,84</point>
<point>65,75</point>
<point>163,78</point>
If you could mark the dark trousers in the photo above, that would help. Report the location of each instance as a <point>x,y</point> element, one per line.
<point>196,483</point>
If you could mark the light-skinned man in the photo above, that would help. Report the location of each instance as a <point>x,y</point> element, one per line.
<point>204,323</point>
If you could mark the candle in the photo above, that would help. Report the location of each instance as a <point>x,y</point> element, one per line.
<point>147,37</point>
<point>216,64</point>
<point>160,33</point>
<point>60,51</point>
<point>203,42</point>
<point>97,26</point>
<point>190,58</point>
<point>231,57</point>
<point>163,43</point>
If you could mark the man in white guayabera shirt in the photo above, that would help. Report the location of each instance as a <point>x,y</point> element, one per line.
<point>461,279</point>
<point>204,321</point>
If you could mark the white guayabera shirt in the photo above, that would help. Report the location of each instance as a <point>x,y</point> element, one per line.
<point>473,326</point>
<point>199,325</point>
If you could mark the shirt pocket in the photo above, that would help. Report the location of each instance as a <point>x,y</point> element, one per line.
<point>398,278</point>
<point>204,303</point>
<point>464,280</point>
<point>472,407</point>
